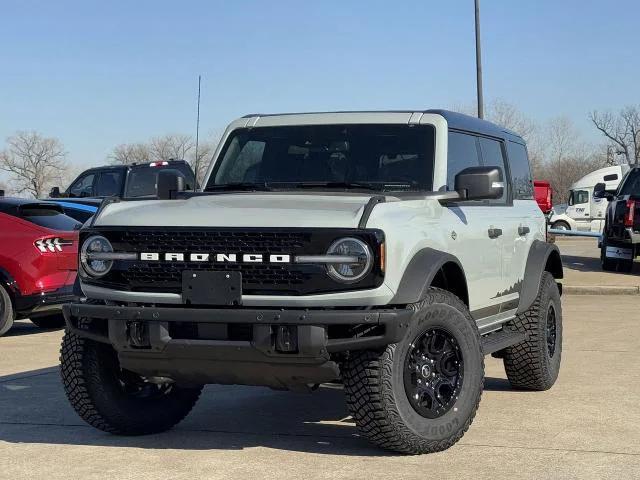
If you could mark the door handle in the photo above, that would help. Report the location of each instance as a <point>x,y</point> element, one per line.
<point>522,231</point>
<point>495,232</point>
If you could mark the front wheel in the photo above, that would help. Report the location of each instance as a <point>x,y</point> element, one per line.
<point>420,395</point>
<point>115,400</point>
<point>560,225</point>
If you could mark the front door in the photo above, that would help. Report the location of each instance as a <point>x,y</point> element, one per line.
<point>580,209</point>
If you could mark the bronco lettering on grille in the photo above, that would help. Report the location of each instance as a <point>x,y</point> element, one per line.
<point>218,257</point>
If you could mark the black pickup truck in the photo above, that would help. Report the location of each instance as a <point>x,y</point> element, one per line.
<point>83,197</point>
<point>621,234</point>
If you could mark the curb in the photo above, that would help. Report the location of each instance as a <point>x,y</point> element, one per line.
<point>600,290</point>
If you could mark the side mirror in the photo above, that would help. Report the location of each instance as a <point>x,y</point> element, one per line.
<point>480,183</point>
<point>170,182</point>
<point>55,192</point>
<point>599,190</point>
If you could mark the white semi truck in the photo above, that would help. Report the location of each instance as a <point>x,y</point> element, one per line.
<point>584,212</point>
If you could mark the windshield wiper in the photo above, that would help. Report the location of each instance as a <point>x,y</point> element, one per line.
<point>243,186</point>
<point>346,185</point>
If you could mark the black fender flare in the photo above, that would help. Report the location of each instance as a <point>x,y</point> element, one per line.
<point>542,257</point>
<point>420,273</point>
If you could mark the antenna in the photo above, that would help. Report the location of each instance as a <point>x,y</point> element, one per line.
<point>197,162</point>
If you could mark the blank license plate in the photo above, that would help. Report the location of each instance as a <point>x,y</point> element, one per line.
<point>211,288</point>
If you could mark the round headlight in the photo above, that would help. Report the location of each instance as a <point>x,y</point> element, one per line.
<point>355,269</point>
<point>95,267</point>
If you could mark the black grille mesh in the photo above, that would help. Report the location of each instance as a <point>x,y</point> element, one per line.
<point>215,241</point>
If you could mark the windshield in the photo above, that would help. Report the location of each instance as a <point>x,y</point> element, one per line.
<point>385,157</point>
<point>631,185</point>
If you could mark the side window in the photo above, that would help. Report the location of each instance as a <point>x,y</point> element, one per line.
<point>463,153</point>
<point>578,197</point>
<point>492,156</point>
<point>108,184</point>
<point>83,187</point>
<point>520,171</point>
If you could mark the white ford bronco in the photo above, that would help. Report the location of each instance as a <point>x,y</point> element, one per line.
<point>389,251</point>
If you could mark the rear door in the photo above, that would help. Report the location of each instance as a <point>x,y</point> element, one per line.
<point>524,218</point>
<point>505,221</point>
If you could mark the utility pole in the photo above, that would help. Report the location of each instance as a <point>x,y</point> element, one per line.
<point>197,160</point>
<point>479,63</point>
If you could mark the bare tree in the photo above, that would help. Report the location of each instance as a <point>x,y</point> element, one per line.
<point>34,162</point>
<point>508,116</point>
<point>128,153</point>
<point>171,147</point>
<point>623,130</point>
<point>566,158</point>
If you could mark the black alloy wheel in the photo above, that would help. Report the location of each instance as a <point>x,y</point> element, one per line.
<point>433,373</point>
<point>551,330</point>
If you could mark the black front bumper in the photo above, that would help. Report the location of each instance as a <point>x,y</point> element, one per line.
<point>151,340</point>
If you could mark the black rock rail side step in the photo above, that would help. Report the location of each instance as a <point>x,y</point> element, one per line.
<point>496,341</point>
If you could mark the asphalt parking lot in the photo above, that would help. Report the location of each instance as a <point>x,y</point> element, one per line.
<point>585,427</point>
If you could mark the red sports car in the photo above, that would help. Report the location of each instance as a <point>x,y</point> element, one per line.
<point>38,262</point>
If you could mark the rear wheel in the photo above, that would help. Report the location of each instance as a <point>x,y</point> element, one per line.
<point>115,400</point>
<point>6,311</point>
<point>50,321</point>
<point>535,363</point>
<point>421,394</point>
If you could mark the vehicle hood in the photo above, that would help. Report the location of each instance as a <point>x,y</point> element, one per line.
<point>240,210</point>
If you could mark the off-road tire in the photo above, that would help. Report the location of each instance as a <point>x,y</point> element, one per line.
<point>50,321</point>
<point>529,364</point>
<point>89,375</point>
<point>376,396</point>
<point>7,314</point>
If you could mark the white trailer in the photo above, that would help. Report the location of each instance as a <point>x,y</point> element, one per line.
<point>584,213</point>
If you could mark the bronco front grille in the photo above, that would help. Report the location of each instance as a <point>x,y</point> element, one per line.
<point>214,241</point>
<point>257,278</point>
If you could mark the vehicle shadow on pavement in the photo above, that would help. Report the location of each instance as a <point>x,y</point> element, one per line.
<point>25,327</point>
<point>33,409</point>
<point>591,264</point>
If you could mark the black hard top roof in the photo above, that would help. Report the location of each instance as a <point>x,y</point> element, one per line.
<point>456,121</point>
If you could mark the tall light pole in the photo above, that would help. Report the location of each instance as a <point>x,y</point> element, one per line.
<point>197,160</point>
<point>479,63</point>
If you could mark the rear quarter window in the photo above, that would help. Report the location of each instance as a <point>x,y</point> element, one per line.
<point>49,218</point>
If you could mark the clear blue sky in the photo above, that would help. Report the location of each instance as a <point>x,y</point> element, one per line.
<point>97,74</point>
